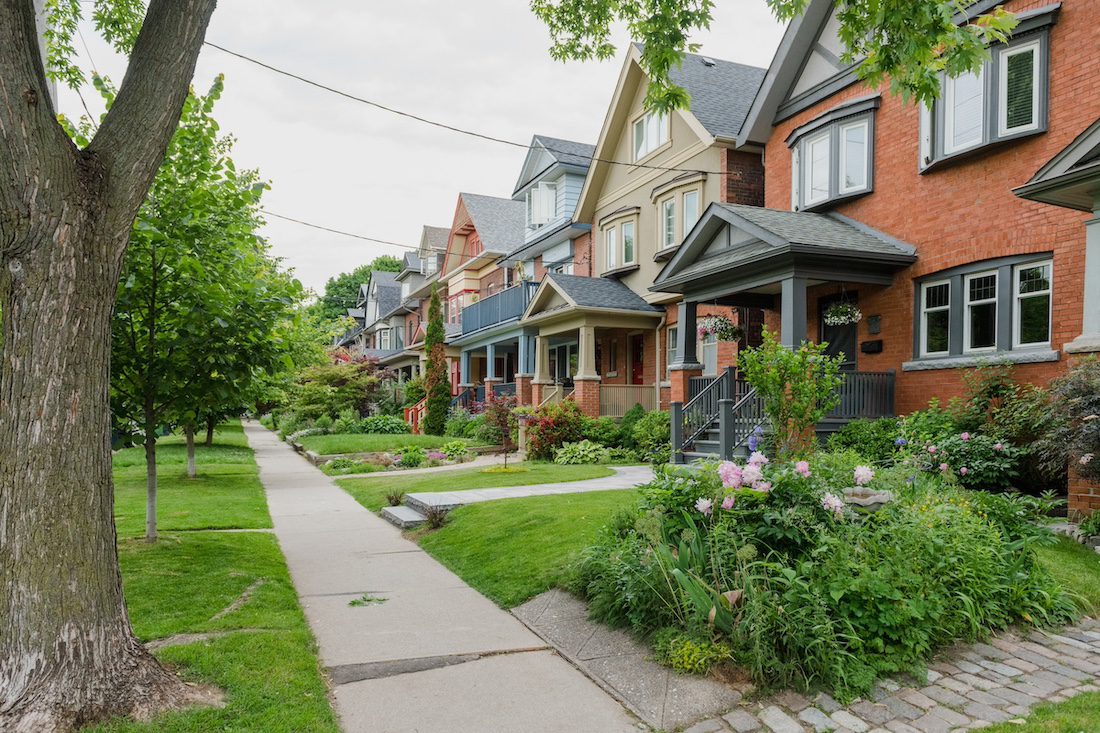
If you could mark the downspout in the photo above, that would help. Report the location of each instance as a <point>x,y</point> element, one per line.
<point>657,362</point>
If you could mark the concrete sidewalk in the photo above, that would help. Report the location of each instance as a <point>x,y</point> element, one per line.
<point>425,652</point>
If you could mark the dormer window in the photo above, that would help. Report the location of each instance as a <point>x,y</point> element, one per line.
<point>650,133</point>
<point>542,204</point>
<point>832,157</point>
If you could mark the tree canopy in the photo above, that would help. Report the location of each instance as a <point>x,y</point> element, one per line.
<point>342,290</point>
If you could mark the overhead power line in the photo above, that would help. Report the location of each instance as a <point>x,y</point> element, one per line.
<point>340,231</point>
<point>443,125</point>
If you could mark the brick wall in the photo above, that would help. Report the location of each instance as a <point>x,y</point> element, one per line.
<point>742,178</point>
<point>492,283</point>
<point>966,212</point>
<point>1084,495</point>
<point>582,255</point>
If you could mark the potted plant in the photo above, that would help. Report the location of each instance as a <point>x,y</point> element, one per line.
<point>721,327</point>
<point>842,314</point>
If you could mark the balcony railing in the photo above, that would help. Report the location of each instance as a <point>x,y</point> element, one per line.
<point>497,308</point>
<point>617,399</point>
<point>864,395</point>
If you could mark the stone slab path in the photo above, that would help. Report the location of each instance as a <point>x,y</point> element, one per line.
<point>969,687</point>
<point>420,650</point>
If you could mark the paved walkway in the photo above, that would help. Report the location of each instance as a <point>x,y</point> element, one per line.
<point>484,461</point>
<point>625,477</point>
<point>968,687</point>
<point>422,651</point>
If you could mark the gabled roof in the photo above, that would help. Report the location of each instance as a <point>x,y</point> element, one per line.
<point>590,293</point>
<point>356,313</point>
<point>1072,177</point>
<point>435,238</point>
<point>499,222</point>
<point>546,153</point>
<point>410,263</point>
<point>721,91</point>
<point>766,234</point>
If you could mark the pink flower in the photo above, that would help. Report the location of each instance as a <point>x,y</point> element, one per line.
<point>965,436</point>
<point>730,473</point>
<point>863,475</point>
<point>833,503</point>
<point>704,506</point>
<point>728,503</point>
<point>758,459</point>
<point>944,467</point>
<point>964,470</point>
<point>1085,459</point>
<point>751,473</point>
<point>998,446</point>
<point>803,467</point>
<point>931,449</point>
<point>764,486</point>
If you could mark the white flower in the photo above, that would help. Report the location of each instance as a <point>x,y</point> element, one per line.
<point>1085,459</point>
<point>863,475</point>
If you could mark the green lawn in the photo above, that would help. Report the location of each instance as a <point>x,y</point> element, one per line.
<point>268,669</point>
<point>1079,715</point>
<point>327,445</point>
<point>370,491</point>
<point>1077,568</point>
<point>514,549</point>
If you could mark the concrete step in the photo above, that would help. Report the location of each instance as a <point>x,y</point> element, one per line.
<point>403,516</point>
<point>423,502</point>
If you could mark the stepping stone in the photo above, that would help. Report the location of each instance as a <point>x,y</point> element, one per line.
<point>403,516</point>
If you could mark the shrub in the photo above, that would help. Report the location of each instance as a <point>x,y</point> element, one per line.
<point>329,389</point>
<point>456,423</point>
<point>385,424</point>
<point>1090,525</point>
<point>553,425</point>
<point>626,425</point>
<point>344,466</point>
<point>603,430</point>
<point>583,452</point>
<point>412,456</point>
<point>414,391</point>
<point>798,388</point>
<point>928,425</point>
<point>1074,435</point>
<point>976,461</point>
<point>875,440</point>
<point>474,427</point>
<point>623,455</point>
<point>323,423</point>
<point>455,450</point>
<point>435,517</point>
<point>348,422</point>
<point>395,498</point>
<point>689,653</point>
<point>652,436</point>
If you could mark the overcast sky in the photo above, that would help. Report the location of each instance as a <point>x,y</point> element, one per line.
<point>479,64</point>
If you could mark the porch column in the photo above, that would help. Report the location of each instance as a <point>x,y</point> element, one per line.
<point>792,330</point>
<point>464,370</point>
<point>586,380</point>
<point>1089,340</point>
<point>491,378</point>
<point>685,363</point>
<point>524,367</point>
<point>542,369</point>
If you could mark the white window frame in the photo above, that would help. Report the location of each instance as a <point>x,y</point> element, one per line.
<point>670,349</point>
<point>925,310</point>
<point>1034,48</point>
<point>684,209</point>
<point>667,209</point>
<point>633,242</point>
<point>708,344</point>
<point>542,204</point>
<point>807,167</point>
<point>384,338</point>
<point>968,303</point>
<point>611,247</point>
<point>843,155</point>
<point>796,179</point>
<point>648,124</point>
<point>949,147</point>
<point>1017,296</point>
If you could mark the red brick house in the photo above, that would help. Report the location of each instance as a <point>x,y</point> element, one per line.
<point>910,212</point>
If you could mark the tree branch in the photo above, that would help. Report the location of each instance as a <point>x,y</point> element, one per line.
<point>134,135</point>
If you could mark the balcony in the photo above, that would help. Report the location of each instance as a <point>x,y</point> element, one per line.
<point>507,305</point>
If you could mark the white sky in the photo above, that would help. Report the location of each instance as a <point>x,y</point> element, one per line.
<point>479,64</point>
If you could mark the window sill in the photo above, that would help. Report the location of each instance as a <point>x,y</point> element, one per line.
<point>836,200</point>
<point>949,159</point>
<point>1028,356</point>
<point>655,152</point>
<point>665,253</point>
<point>620,271</point>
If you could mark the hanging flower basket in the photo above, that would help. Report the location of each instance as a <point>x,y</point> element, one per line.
<point>721,327</point>
<point>842,314</point>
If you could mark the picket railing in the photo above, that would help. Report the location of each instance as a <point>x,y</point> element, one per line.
<point>617,399</point>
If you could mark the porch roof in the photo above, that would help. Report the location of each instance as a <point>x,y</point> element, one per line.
<point>1072,177</point>
<point>739,243</point>
<point>562,296</point>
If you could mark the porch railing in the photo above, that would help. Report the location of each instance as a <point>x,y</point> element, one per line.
<point>617,399</point>
<point>865,395</point>
<point>505,389</point>
<point>552,394</point>
<point>498,307</point>
<point>463,399</point>
<point>694,417</point>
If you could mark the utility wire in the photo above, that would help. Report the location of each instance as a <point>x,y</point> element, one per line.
<point>339,231</point>
<point>443,125</point>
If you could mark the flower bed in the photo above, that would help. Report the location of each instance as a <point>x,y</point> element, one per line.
<point>777,568</point>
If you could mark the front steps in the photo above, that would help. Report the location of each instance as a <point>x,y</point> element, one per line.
<point>403,517</point>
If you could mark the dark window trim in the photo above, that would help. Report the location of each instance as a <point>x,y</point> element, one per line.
<point>866,111</point>
<point>848,109</point>
<point>956,276</point>
<point>620,271</point>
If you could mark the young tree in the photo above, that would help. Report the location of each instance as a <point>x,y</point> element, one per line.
<point>499,415</point>
<point>67,652</point>
<point>436,379</point>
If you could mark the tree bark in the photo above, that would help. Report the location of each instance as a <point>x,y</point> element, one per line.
<point>150,471</point>
<point>211,423</point>
<point>68,656</point>
<point>189,435</point>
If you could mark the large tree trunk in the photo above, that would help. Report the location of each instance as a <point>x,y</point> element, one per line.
<point>68,656</point>
<point>189,436</point>
<point>150,471</point>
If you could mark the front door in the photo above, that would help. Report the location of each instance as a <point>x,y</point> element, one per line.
<point>637,358</point>
<point>839,339</point>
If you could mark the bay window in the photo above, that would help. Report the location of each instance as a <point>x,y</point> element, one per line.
<point>620,243</point>
<point>691,210</point>
<point>935,322</point>
<point>831,156</point>
<point>1031,325</point>
<point>628,243</point>
<point>668,223</point>
<point>611,247</point>
<point>980,322</point>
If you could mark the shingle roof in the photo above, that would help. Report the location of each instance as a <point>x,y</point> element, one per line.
<point>822,230</point>
<point>387,291</point>
<point>411,262</point>
<point>436,237</point>
<point>567,151</point>
<point>499,222</point>
<point>599,292</point>
<point>721,91</point>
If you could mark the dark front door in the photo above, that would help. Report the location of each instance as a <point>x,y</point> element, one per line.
<point>839,339</point>
<point>637,358</point>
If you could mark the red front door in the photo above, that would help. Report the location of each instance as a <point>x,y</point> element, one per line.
<point>637,354</point>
